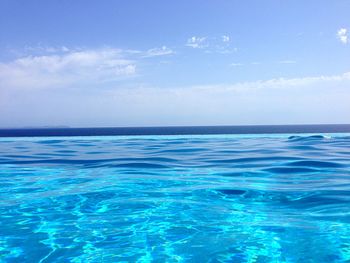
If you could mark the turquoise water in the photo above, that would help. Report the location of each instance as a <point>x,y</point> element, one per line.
<point>233,198</point>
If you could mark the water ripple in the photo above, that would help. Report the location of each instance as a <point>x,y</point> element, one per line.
<point>175,199</point>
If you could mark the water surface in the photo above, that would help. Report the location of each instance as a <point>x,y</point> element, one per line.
<point>217,198</point>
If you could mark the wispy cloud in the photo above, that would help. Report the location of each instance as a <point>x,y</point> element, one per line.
<point>320,99</point>
<point>196,42</point>
<point>236,64</point>
<point>76,67</point>
<point>342,35</point>
<point>285,83</point>
<point>287,62</point>
<point>48,67</point>
<point>212,45</point>
<point>47,49</point>
<point>156,52</point>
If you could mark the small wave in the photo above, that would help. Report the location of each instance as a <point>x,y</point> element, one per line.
<point>290,170</point>
<point>316,200</point>
<point>183,150</point>
<point>50,141</point>
<point>317,164</point>
<point>141,165</point>
<point>255,159</point>
<point>296,138</point>
<point>112,162</point>
<point>230,192</point>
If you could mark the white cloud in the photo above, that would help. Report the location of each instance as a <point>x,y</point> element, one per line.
<point>76,67</point>
<point>287,62</point>
<point>155,52</point>
<point>283,83</point>
<point>225,39</point>
<point>236,64</point>
<point>343,35</point>
<point>320,99</point>
<point>196,42</point>
<point>211,45</point>
<point>40,49</point>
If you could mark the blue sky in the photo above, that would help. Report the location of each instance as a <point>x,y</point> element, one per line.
<point>150,63</point>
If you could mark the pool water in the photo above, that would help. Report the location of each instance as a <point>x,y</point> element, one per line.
<point>202,198</point>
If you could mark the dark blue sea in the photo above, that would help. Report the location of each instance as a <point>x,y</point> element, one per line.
<point>260,194</point>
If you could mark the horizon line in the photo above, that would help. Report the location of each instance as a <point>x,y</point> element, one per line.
<point>165,126</point>
<point>176,130</point>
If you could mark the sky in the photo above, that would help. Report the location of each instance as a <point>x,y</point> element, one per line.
<point>114,63</point>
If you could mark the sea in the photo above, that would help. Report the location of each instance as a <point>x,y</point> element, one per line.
<point>175,194</point>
